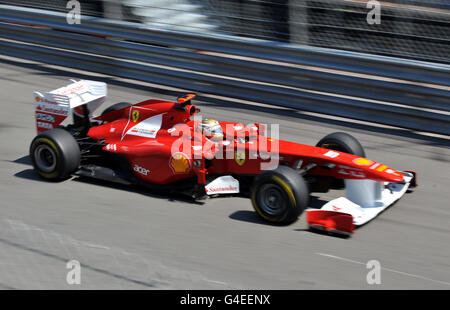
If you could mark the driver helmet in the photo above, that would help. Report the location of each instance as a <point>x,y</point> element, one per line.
<point>211,129</point>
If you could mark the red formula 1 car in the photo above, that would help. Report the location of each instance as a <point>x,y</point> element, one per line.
<point>167,146</point>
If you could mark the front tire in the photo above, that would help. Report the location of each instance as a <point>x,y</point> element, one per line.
<point>55,154</point>
<point>280,195</point>
<point>342,142</point>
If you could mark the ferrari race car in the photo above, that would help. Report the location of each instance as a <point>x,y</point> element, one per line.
<point>169,147</point>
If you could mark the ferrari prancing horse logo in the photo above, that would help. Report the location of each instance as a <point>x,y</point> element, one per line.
<point>239,157</point>
<point>135,115</point>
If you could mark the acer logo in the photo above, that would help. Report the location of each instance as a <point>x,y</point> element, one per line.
<point>141,170</point>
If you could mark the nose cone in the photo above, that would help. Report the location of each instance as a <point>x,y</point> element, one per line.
<point>379,171</point>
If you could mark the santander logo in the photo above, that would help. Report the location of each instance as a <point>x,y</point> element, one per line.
<point>221,189</point>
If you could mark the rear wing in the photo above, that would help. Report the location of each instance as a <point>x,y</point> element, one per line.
<point>53,107</point>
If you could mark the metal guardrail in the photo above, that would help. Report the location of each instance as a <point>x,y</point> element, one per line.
<point>379,89</point>
<point>408,28</point>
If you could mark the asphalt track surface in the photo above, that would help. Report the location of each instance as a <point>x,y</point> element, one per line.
<point>134,239</point>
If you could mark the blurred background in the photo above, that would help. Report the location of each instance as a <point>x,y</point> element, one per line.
<point>312,66</point>
<point>414,29</point>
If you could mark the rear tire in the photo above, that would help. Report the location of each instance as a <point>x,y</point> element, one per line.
<point>280,195</point>
<point>116,107</point>
<point>55,154</point>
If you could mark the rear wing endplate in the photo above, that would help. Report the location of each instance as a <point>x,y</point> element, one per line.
<point>53,107</point>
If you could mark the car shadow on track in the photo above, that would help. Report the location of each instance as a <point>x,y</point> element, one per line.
<point>253,217</point>
<point>325,233</point>
<point>241,215</point>
<point>24,160</point>
<point>30,174</point>
<point>139,190</point>
<point>346,236</point>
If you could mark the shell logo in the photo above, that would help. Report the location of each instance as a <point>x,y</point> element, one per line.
<point>363,161</point>
<point>179,163</point>
<point>38,99</point>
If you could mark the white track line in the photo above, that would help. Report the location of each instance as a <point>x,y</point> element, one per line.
<point>383,268</point>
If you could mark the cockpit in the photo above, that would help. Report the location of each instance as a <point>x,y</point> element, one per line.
<point>211,129</point>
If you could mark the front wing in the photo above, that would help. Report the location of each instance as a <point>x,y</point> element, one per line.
<point>365,200</point>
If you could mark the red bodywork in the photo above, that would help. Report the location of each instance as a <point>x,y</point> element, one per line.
<point>146,132</point>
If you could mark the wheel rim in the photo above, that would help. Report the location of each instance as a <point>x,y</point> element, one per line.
<point>272,200</point>
<point>45,158</point>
